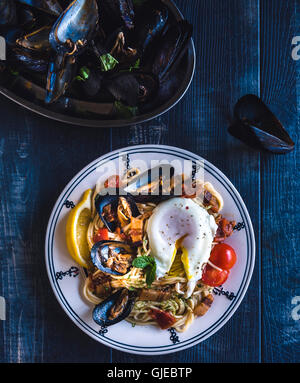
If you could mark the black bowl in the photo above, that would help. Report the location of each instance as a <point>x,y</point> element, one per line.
<point>184,73</point>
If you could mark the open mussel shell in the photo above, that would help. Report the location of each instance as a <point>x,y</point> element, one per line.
<point>74,27</point>
<point>256,126</point>
<point>112,198</point>
<point>115,308</point>
<point>103,250</point>
<point>153,185</point>
<point>37,40</point>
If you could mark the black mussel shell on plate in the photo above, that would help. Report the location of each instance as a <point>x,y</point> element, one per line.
<point>104,251</point>
<point>108,207</point>
<point>258,127</point>
<point>115,308</point>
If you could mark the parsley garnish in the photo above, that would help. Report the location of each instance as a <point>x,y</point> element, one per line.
<point>108,62</point>
<point>148,264</point>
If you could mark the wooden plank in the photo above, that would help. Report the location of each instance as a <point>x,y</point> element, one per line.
<point>226,38</point>
<point>280,89</point>
<point>35,165</point>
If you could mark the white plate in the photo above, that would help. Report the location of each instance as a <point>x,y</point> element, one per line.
<point>67,278</point>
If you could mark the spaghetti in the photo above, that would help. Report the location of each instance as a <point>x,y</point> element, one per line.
<point>168,292</point>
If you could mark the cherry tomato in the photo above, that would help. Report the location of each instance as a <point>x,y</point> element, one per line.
<point>112,182</point>
<point>223,256</point>
<point>101,235</point>
<point>163,318</point>
<point>213,277</point>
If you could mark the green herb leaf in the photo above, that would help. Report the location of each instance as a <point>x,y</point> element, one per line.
<point>148,264</point>
<point>150,274</point>
<point>136,65</point>
<point>84,74</point>
<point>124,111</point>
<point>14,72</point>
<point>142,262</point>
<point>108,62</point>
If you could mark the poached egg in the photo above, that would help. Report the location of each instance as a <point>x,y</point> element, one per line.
<point>181,224</point>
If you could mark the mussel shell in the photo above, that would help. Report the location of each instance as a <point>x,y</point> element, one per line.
<point>132,88</point>
<point>37,40</point>
<point>60,74</point>
<point>117,46</point>
<point>150,25</point>
<point>8,13</point>
<point>112,198</point>
<point>77,23</point>
<point>99,254</point>
<point>139,187</point>
<point>92,85</point>
<point>171,47</point>
<point>26,17</point>
<point>102,310</point>
<point>120,11</point>
<point>50,6</point>
<point>31,61</point>
<point>257,126</point>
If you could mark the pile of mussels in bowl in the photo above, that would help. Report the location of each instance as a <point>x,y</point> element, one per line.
<point>95,62</point>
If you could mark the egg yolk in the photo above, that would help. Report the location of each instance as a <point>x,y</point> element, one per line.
<point>180,260</point>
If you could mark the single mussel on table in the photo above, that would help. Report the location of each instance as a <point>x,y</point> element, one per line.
<point>116,210</point>
<point>258,127</point>
<point>115,308</point>
<point>112,257</point>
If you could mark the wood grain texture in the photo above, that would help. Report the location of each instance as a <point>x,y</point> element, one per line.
<point>242,46</point>
<point>280,184</point>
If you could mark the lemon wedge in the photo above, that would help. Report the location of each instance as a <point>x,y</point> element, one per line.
<point>76,230</point>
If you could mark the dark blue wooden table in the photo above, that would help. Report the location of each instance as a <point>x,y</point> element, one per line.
<point>242,46</point>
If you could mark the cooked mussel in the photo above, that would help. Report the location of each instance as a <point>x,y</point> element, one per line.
<point>75,27</point>
<point>50,6</point>
<point>121,11</point>
<point>26,18</point>
<point>115,308</point>
<point>257,126</point>
<point>8,12</point>
<point>90,81</point>
<point>117,47</point>
<point>132,88</point>
<point>37,40</point>
<point>172,46</point>
<point>112,257</point>
<point>60,74</point>
<point>31,61</point>
<point>154,185</point>
<point>115,209</point>
<point>150,25</point>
